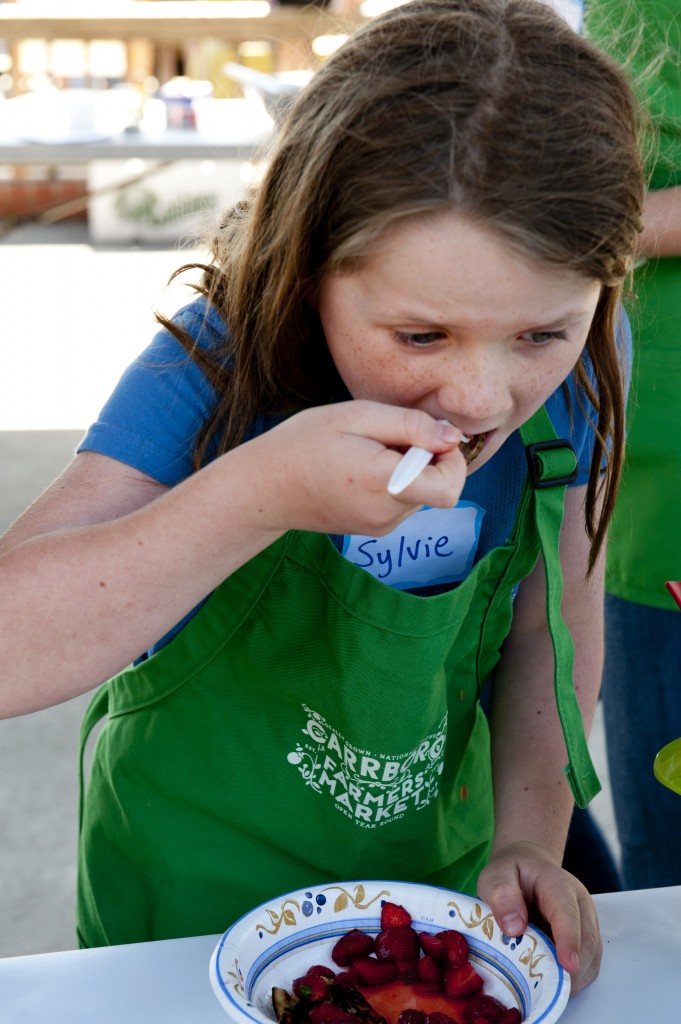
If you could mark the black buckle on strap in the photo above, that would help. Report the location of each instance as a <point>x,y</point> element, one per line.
<point>538,470</point>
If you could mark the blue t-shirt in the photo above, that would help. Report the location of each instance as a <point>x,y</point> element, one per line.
<point>151,420</point>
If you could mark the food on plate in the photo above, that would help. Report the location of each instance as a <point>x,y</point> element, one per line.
<point>399,977</point>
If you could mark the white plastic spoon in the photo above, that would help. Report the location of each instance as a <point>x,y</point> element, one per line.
<point>411,465</point>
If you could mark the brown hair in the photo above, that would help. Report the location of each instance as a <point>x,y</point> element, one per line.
<point>493,107</point>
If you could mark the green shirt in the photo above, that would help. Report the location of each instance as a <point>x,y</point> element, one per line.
<point>644,549</point>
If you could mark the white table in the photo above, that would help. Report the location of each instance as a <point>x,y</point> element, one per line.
<point>167,982</point>
<point>169,145</point>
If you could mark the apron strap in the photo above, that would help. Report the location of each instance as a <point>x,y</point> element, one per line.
<point>552,465</point>
<point>96,710</point>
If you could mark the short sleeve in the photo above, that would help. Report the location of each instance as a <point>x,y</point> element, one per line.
<point>151,419</point>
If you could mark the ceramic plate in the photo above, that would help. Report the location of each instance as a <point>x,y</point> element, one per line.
<point>279,940</point>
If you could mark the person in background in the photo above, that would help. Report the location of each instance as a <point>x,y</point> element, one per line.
<point>641,692</point>
<point>308,644</point>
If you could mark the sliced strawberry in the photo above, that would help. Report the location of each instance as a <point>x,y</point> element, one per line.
<point>486,1007</point>
<point>456,948</point>
<point>436,1017</point>
<point>397,944</point>
<point>322,971</point>
<point>369,971</point>
<point>511,1016</point>
<point>394,916</point>
<point>412,1016</point>
<point>433,945</point>
<point>462,981</point>
<point>430,973</point>
<point>345,979</point>
<point>407,971</point>
<point>327,1013</point>
<point>350,946</point>
<point>427,990</point>
<point>311,987</point>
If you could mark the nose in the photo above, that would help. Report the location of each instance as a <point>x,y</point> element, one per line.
<point>475,388</point>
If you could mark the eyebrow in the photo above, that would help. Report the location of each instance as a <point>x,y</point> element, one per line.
<point>411,319</point>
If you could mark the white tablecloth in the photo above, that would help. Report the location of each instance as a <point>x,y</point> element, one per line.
<point>167,982</point>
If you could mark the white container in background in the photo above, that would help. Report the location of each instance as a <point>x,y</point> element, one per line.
<point>144,201</point>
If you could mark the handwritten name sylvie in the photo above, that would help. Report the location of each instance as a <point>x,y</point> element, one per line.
<point>403,553</point>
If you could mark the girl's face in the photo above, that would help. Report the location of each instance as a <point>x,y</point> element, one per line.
<point>446,317</point>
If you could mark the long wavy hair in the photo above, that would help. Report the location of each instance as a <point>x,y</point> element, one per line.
<point>494,108</point>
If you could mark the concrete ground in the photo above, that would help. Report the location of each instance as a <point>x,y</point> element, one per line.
<point>73,317</point>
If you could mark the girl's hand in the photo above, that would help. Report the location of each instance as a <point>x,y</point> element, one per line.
<point>523,875</point>
<point>329,467</point>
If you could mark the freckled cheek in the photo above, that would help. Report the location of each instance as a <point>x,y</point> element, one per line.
<point>381,382</point>
<point>369,372</point>
<point>541,383</point>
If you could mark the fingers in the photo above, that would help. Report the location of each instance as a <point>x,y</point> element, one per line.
<point>570,914</point>
<point>499,885</point>
<point>397,427</point>
<point>438,435</point>
<point>440,481</point>
<point>577,935</point>
<point>439,484</point>
<point>517,880</point>
<point>327,468</point>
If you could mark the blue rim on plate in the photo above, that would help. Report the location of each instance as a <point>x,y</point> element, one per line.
<point>278,940</point>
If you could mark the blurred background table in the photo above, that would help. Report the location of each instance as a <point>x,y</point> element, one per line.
<point>170,145</point>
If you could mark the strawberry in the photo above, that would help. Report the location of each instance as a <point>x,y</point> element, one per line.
<point>322,971</point>
<point>311,987</point>
<point>462,981</point>
<point>407,971</point>
<point>456,948</point>
<point>486,1007</point>
<point>427,990</point>
<point>429,973</point>
<point>433,945</point>
<point>345,979</point>
<point>511,1016</point>
<point>412,1016</point>
<point>397,944</point>
<point>369,971</point>
<point>327,1013</point>
<point>350,946</point>
<point>440,1018</point>
<point>394,916</point>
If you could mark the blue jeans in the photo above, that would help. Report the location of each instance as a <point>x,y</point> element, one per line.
<point>642,712</point>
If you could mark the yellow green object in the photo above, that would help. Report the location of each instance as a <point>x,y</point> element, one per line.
<point>667,766</point>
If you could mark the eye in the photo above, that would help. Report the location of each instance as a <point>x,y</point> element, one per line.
<point>418,338</point>
<point>544,337</point>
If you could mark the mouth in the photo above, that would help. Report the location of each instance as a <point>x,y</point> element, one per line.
<point>471,447</point>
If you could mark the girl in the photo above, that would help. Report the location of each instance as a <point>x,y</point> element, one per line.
<point>436,252</point>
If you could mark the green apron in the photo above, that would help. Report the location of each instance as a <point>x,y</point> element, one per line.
<point>312,724</point>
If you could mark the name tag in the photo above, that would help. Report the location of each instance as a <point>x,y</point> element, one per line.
<point>434,546</point>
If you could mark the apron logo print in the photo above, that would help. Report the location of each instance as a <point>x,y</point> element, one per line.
<point>371,788</point>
